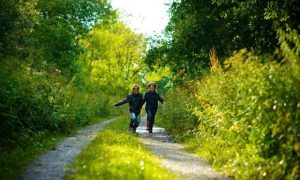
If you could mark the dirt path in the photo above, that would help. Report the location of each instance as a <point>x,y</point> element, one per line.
<point>174,157</point>
<point>50,166</point>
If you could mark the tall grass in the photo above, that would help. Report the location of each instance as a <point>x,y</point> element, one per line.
<point>248,117</point>
<point>177,115</point>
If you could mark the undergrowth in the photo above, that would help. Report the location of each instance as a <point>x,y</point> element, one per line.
<point>247,117</point>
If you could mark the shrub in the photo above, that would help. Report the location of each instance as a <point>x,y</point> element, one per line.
<point>177,114</point>
<point>249,118</point>
<point>32,102</point>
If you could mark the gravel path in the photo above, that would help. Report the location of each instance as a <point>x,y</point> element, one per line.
<point>174,157</point>
<point>50,166</point>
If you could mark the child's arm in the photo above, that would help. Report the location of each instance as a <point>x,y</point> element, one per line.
<point>144,99</point>
<point>161,100</point>
<point>124,101</point>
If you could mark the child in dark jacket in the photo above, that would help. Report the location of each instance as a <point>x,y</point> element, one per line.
<point>151,98</point>
<point>135,101</point>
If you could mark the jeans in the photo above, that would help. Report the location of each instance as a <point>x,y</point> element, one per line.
<point>134,120</point>
<point>150,118</point>
<point>150,115</point>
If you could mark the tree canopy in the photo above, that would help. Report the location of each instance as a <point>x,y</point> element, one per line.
<point>114,53</point>
<point>196,26</point>
<point>49,30</point>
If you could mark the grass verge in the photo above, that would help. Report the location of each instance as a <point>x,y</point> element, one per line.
<point>117,154</point>
<point>13,161</point>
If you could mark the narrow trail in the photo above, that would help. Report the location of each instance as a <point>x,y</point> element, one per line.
<point>50,166</point>
<point>174,157</point>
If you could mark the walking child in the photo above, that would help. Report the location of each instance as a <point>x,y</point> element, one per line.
<point>135,101</point>
<point>151,98</point>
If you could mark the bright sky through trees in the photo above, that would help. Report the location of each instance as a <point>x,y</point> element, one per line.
<point>143,16</point>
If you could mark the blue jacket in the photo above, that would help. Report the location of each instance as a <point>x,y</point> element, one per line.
<point>135,102</point>
<point>151,99</point>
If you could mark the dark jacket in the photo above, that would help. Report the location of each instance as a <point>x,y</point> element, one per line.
<point>135,102</point>
<point>151,99</point>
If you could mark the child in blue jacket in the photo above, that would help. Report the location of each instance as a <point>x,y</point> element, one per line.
<point>135,101</point>
<point>151,98</point>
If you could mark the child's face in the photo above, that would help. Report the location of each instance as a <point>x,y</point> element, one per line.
<point>135,90</point>
<point>151,88</point>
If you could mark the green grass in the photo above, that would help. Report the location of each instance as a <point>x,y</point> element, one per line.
<point>117,154</point>
<point>98,120</point>
<point>14,160</point>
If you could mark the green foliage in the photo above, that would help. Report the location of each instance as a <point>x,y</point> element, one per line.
<point>45,85</point>
<point>121,156</point>
<point>196,26</point>
<point>248,117</point>
<point>61,25</point>
<point>114,55</point>
<point>16,20</point>
<point>50,84</point>
<point>33,102</point>
<point>251,114</point>
<point>14,160</point>
<point>34,106</point>
<point>49,31</point>
<point>177,114</point>
<point>248,113</point>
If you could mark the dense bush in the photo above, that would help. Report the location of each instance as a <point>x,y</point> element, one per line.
<point>177,114</point>
<point>33,102</point>
<point>248,117</point>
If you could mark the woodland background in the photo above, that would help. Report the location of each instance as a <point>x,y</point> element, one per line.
<point>229,71</point>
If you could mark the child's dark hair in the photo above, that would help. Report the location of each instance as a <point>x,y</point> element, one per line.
<point>152,84</point>
<point>135,86</point>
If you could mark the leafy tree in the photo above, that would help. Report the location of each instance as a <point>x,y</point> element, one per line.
<point>114,54</point>
<point>197,25</point>
<point>16,21</point>
<point>49,30</point>
<point>40,66</point>
<point>63,23</point>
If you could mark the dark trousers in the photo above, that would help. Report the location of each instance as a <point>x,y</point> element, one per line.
<point>150,118</point>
